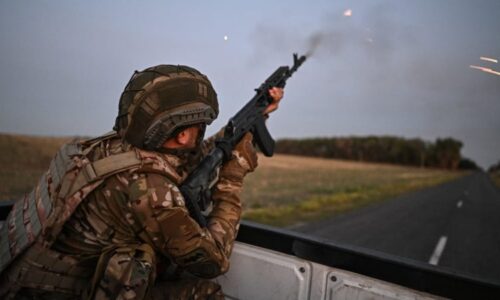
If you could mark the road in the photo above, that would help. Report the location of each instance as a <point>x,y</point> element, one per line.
<point>455,225</point>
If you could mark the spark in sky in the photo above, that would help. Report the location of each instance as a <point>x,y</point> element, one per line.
<point>487,70</point>
<point>488,59</point>
<point>348,13</point>
<point>225,38</point>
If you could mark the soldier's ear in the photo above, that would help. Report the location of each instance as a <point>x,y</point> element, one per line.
<point>183,137</point>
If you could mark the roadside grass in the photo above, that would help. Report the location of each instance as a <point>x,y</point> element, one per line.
<point>23,159</point>
<point>495,176</point>
<point>286,190</point>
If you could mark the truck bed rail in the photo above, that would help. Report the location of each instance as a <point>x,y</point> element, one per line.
<point>401,271</point>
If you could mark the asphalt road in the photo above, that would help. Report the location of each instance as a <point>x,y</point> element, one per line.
<point>455,225</point>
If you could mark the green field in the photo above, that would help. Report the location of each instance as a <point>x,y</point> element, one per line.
<point>283,191</point>
<point>287,190</point>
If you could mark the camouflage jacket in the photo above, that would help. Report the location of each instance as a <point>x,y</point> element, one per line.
<point>133,207</point>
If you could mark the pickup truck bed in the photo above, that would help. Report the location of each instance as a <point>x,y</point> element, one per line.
<point>271,263</point>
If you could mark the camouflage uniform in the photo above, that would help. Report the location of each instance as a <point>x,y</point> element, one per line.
<point>131,228</point>
<point>130,236</point>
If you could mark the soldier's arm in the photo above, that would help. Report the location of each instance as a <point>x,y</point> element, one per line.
<point>224,219</point>
<point>164,222</point>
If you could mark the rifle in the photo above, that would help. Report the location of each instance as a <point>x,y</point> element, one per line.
<point>196,188</point>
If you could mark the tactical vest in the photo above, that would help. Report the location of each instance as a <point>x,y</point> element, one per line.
<point>72,175</point>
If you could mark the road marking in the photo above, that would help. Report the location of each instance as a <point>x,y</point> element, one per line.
<point>438,251</point>
<point>460,203</point>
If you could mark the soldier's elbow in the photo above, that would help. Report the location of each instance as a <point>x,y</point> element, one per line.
<point>209,270</point>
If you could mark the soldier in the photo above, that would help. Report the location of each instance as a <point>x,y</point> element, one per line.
<point>107,220</point>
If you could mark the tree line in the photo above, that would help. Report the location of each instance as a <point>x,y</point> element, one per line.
<point>443,153</point>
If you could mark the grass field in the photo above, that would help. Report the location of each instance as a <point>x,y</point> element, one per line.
<point>284,190</point>
<point>495,176</point>
<point>23,159</point>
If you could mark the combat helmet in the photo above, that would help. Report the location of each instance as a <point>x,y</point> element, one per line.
<point>160,101</point>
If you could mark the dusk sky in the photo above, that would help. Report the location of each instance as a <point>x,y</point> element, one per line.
<point>399,68</point>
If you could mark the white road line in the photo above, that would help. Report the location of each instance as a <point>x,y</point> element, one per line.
<point>460,203</point>
<point>438,251</point>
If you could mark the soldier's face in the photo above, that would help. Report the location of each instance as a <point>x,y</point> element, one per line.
<point>191,136</point>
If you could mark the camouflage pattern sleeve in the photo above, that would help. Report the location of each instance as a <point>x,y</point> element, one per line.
<point>162,220</point>
<point>224,220</point>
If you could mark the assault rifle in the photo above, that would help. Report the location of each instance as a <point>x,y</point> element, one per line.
<point>196,188</point>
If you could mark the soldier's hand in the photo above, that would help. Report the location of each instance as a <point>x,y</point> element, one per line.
<point>276,94</point>
<point>244,160</point>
